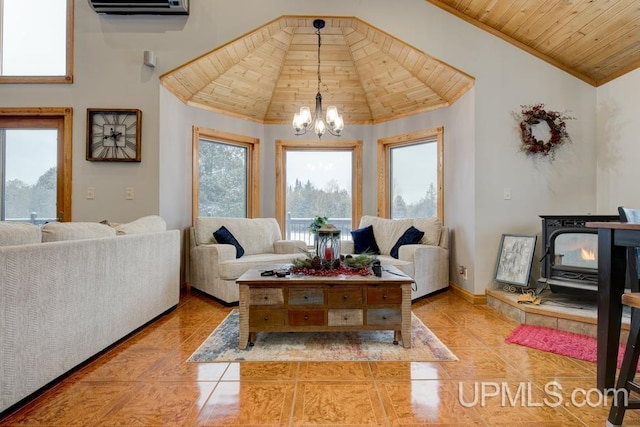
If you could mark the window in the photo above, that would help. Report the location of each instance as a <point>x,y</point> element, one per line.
<point>318,179</point>
<point>36,41</point>
<point>225,174</point>
<point>411,168</point>
<point>35,164</point>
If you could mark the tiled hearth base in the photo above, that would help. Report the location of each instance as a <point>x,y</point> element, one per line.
<point>558,311</point>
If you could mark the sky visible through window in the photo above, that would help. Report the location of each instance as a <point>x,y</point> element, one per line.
<point>413,168</point>
<point>30,153</point>
<point>320,167</point>
<point>34,37</point>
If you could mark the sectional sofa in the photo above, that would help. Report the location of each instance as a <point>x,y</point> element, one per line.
<point>70,290</point>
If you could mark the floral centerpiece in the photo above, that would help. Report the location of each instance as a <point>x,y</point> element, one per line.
<point>317,224</point>
<point>346,265</point>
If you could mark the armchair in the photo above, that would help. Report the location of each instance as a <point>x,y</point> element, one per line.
<point>427,261</point>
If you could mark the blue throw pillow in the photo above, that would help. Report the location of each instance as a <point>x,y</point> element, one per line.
<point>410,237</point>
<point>364,241</point>
<point>224,236</point>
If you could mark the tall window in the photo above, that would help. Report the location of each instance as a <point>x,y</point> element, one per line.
<point>410,185</point>
<point>36,41</point>
<point>225,174</point>
<point>318,179</point>
<point>35,165</point>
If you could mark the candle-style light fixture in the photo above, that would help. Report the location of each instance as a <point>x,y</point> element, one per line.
<point>302,121</point>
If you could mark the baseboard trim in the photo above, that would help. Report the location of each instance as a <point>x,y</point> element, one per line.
<point>468,296</point>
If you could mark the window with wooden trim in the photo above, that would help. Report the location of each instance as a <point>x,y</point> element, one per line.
<point>318,178</point>
<point>35,164</point>
<point>225,174</point>
<point>36,41</point>
<point>410,183</point>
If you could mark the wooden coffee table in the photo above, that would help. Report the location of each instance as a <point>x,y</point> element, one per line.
<point>305,303</point>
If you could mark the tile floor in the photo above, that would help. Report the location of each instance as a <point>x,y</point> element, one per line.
<point>145,381</point>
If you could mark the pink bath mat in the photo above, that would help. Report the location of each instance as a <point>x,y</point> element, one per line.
<point>569,344</point>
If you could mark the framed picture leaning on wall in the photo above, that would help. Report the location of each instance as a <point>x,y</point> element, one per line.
<point>514,259</point>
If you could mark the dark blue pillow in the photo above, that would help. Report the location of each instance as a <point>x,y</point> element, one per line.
<point>364,241</point>
<point>224,236</point>
<point>410,237</point>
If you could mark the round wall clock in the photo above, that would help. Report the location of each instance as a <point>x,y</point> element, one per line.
<point>113,135</point>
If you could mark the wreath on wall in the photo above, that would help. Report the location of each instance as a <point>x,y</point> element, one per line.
<point>532,115</point>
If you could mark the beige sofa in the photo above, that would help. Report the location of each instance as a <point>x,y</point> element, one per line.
<point>427,262</point>
<point>70,290</point>
<point>214,267</point>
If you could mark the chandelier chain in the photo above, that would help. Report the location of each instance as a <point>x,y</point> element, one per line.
<point>319,43</point>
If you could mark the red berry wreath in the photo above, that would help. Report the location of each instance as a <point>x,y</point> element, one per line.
<point>532,115</point>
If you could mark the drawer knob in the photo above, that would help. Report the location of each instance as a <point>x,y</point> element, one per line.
<point>266,318</point>
<point>384,317</point>
<point>346,318</point>
<point>384,296</point>
<point>306,317</point>
<point>266,298</point>
<point>306,297</point>
<point>344,297</point>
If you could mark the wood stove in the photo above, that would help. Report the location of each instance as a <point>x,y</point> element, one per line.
<point>570,257</point>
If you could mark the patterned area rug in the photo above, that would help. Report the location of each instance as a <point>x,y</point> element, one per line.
<point>565,343</point>
<point>222,345</point>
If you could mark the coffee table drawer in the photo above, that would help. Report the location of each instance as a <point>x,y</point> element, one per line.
<point>306,296</point>
<point>345,297</point>
<point>306,317</point>
<point>266,296</point>
<point>266,318</point>
<point>345,317</point>
<point>384,316</point>
<point>384,295</point>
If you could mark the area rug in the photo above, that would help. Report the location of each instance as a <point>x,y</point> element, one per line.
<point>565,343</point>
<point>222,345</point>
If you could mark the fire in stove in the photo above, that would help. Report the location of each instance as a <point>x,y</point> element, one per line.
<point>588,255</point>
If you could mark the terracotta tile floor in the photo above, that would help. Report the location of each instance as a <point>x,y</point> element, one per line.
<point>145,381</point>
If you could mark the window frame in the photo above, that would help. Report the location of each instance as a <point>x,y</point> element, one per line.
<point>253,173</point>
<point>355,146</point>
<point>28,118</point>
<point>384,151</point>
<point>68,77</point>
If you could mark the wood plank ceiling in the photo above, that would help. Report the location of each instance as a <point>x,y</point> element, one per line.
<point>269,73</point>
<point>594,40</point>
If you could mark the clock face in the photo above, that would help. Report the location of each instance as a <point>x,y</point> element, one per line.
<point>113,135</point>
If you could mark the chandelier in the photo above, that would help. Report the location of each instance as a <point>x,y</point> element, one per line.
<point>302,121</point>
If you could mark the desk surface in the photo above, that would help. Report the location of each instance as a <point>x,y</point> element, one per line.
<point>614,225</point>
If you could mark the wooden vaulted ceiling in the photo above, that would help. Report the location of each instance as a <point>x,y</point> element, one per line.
<point>269,73</point>
<point>594,40</point>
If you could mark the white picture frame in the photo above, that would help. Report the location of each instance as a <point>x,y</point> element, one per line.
<point>514,259</point>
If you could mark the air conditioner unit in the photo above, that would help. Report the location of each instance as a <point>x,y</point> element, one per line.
<point>140,7</point>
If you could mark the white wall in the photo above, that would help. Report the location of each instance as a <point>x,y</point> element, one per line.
<point>618,133</point>
<point>482,145</point>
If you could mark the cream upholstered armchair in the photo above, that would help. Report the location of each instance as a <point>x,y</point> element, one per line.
<point>222,249</point>
<point>418,246</point>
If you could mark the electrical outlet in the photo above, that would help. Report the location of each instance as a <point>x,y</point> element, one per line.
<point>91,194</point>
<point>507,194</point>
<point>464,274</point>
<point>128,193</point>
